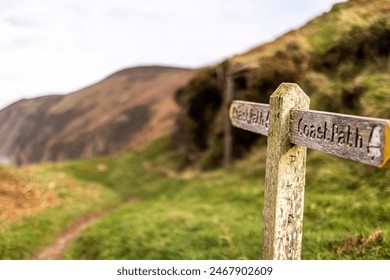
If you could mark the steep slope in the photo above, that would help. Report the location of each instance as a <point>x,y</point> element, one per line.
<point>340,59</point>
<point>127,109</point>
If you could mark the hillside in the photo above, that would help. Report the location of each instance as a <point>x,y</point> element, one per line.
<point>340,59</point>
<point>127,109</point>
<point>160,210</point>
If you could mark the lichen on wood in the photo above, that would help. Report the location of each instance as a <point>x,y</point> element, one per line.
<point>285,178</point>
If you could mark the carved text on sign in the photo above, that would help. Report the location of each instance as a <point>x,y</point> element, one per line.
<point>250,116</point>
<point>344,136</point>
<point>357,138</point>
<point>362,139</point>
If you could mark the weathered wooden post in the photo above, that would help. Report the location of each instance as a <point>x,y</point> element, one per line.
<point>285,178</point>
<point>288,122</point>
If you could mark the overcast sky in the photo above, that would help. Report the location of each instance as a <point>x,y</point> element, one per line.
<point>58,46</point>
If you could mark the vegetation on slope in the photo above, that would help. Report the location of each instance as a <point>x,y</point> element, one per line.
<point>36,204</point>
<point>340,59</point>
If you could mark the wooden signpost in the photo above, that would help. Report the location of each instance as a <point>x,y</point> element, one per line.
<point>290,128</point>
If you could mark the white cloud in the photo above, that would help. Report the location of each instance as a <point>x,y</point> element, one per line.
<point>49,46</point>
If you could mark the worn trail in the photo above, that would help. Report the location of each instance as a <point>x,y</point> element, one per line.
<point>55,250</point>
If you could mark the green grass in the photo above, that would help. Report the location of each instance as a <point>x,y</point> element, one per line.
<point>21,238</point>
<point>218,214</point>
<point>177,216</point>
<point>171,229</point>
<point>346,201</point>
<point>192,214</point>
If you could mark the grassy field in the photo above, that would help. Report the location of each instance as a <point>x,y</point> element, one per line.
<point>164,213</point>
<point>218,214</point>
<point>177,215</point>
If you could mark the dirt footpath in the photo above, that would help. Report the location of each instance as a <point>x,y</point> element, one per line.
<point>55,250</point>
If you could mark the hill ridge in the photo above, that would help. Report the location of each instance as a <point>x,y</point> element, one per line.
<point>100,119</point>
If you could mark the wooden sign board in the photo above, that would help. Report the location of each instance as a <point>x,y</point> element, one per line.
<point>361,139</point>
<point>287,121</point>
<point>250,116</point>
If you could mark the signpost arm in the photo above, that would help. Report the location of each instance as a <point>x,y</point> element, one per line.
<point>285,178</point>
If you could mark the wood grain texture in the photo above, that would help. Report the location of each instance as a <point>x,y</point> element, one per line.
<point>356,138</point>
<point>250,116</point>
<point>285,178</point>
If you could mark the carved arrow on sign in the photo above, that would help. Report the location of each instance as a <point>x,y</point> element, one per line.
<point>361,139</point>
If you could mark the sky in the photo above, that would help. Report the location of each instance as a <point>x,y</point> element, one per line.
<point>59,46</point>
